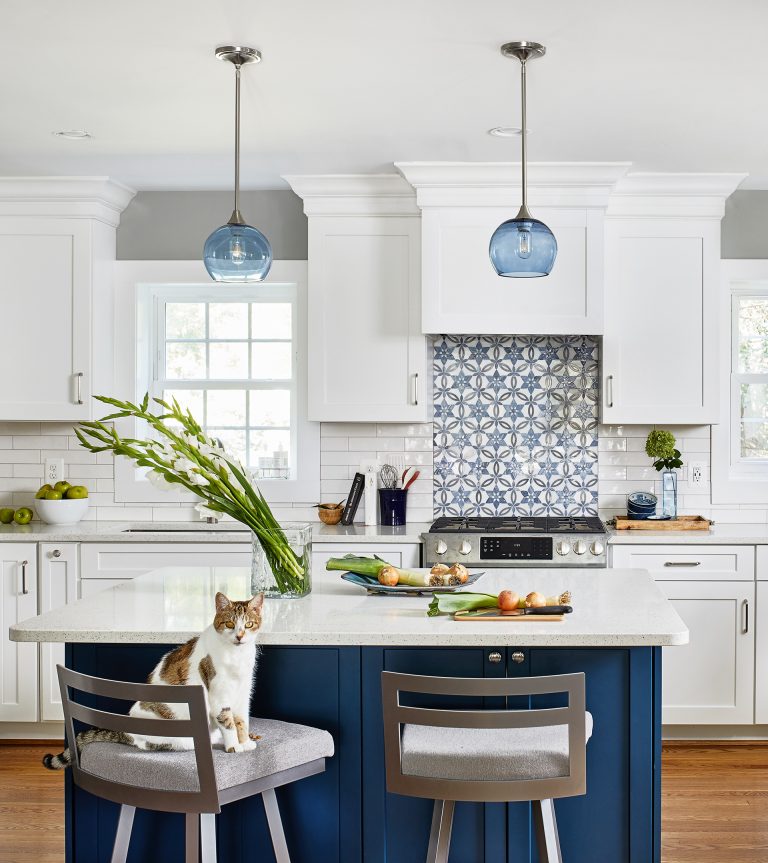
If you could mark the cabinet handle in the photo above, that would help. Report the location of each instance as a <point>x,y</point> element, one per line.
<point>24,588</point>
<point>56,553</point>
<point>682,563</point>
<point>745,616</point>
<point>494,657</point>
<point>609,390</point>
<point>78,388</point>
<point>518,656</point>
<point>415,389</point>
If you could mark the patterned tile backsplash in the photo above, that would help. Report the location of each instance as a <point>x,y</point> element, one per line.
<point>515,427</point>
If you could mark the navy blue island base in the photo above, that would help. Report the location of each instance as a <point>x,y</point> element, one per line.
<point>346,816</point>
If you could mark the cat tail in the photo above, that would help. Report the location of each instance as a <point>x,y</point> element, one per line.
<point>64,759</point>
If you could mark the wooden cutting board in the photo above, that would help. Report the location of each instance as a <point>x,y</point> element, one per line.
<point>501,615</point>
<point>682,522</point>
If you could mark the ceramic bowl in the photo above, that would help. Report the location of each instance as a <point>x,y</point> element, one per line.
<point>61,511</point>
<point>642,499</point>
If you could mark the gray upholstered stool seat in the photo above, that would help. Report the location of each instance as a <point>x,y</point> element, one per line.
<point>283,745</point>
<point>499,754</point>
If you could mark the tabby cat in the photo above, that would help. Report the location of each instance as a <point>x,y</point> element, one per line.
<point>223,659</point>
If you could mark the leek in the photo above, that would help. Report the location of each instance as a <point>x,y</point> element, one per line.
<point>367,566</point>
<point>450,603</point>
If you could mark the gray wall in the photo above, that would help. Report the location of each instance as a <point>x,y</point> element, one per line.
<point>172,226</point>
<point>745,226</point>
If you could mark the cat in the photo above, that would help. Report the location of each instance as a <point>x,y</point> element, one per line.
<point>222,658</point>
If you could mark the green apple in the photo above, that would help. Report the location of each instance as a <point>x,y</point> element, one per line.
<point>41,492</point>
<point>76,492</point>
<point>6,515</point>
<point>62,486</point>
<point>53,495</point>
<point>23,515</point>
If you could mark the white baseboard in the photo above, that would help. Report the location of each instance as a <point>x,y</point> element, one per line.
<point>714,732</point>
<point>31,731</point>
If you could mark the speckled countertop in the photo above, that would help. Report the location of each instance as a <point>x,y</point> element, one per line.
<point>718,534</point>
<point>612,608</point>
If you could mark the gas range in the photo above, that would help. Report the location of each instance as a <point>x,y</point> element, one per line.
<point>517,541</point>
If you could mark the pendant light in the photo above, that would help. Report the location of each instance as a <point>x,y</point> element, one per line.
<point>523,247</point>
<point>236,252</point>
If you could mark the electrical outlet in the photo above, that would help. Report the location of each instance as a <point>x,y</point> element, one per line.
<point>697,472</point>
<point>54,470</point>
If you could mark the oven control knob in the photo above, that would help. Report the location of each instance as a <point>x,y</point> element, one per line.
<point>465,547</point>
<point>580,547</point>
<point>597,547</point>
<point>441,546</point>
<point>563,547</point>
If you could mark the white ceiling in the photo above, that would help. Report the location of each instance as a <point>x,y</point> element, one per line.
<point>352,86</point>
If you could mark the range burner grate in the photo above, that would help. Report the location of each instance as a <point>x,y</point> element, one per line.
<point>519,524</point>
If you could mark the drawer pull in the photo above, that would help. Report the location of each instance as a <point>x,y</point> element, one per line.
<point>682,563</point>
<point>24,588</point>
<point>609,391</point>
<point>518,656</point>
<point>494,657</point>
<point>745,616</point>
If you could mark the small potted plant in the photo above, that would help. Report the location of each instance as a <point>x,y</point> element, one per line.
<point>660,445</point>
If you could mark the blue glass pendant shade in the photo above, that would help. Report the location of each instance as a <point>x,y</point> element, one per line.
<point>523,248</point>
<point>237,253</point>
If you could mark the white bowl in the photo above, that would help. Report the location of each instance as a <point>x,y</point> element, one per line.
<point>61,511</point>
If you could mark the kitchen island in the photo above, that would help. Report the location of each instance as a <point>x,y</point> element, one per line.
<point>321,665</point>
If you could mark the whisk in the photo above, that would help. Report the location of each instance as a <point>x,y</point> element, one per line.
<point>388,476</point>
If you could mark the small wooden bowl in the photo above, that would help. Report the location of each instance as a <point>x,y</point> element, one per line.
<point>330,514</point>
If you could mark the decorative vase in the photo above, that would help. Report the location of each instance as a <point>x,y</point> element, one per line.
<point>669,493</point>
<point>285,574</point>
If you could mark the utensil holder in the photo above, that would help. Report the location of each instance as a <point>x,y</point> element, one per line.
<point>392,502</point>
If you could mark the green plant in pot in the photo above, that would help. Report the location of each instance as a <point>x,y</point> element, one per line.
<point>660,446</point>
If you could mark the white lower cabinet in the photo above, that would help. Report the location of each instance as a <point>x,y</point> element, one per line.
<point>18,661</point>
<point>761,647</point>
<point>711,680</point>
<point>58,566</point>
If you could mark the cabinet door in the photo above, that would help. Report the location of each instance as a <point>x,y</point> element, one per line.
<point>18,601</point>
<point>120,560</point>
<point>45,326</point>
<point>688,562</point>
<point>58,567</point>
<point>660,348</point>
<point>710,680</point>
<point>367,357</point>
<point>761,653</point>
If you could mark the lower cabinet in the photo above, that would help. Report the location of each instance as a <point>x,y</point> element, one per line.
<point>761,650</point>
<point>18,661</point>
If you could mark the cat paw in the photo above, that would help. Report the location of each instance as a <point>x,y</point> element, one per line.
<point>255,736</point>
<point>236,747</point>
<point>248,746</point>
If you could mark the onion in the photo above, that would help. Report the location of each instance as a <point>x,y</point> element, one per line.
<point>535,600</point>
<point>460,571</point>
<point>508,600</point>
<point>439,569</point>
<point>389,576</point>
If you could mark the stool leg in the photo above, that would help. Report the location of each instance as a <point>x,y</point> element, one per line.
<point>545,825</point>
<point>208,836</point>
<point>123,834</point>
<point>440,835</point>
<point>192,838</point>
<point>275,826</point>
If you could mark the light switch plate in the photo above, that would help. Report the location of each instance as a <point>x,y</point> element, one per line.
<point>54,470</point>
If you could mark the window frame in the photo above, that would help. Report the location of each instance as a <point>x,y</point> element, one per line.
<point>736,480</point>
<point>138,284</point>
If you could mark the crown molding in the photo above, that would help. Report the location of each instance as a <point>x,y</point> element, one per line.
<point>674,195</point>
<point>72,197</point>
<point>354,194</point>
<point>494,184</point>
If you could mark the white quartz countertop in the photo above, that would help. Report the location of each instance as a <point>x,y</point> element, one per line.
<point>612,607</point>
<point>718,534</point>
<point>224,532</point>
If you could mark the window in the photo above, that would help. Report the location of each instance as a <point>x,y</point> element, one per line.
<point>235,355</point>
<point>740,440</point>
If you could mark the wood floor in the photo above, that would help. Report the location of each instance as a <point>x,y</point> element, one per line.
<point>715,804</point>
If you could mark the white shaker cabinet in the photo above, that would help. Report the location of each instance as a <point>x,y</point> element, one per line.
<point>57,244</point>
<point>58,567</point>
<point>18,661</point>
<point>367,355</point>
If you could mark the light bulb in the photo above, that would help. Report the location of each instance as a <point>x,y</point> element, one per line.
<point>524,242</point>
<point>236,251</point>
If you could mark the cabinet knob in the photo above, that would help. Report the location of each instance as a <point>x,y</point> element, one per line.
<point>56,553</point>
<point>494,657</point>
<point>518,656</point>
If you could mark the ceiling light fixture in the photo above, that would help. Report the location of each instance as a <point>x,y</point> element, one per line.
<point>523,247</point>
<point>72,134</point>
<point>236,252</point>
<point>506,131</point>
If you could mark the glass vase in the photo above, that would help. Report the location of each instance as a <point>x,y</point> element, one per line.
<point>669,493</point>
<point>282,562</point>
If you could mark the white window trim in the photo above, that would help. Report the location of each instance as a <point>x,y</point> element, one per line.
<point>131,282</point>
<point>735,480</point>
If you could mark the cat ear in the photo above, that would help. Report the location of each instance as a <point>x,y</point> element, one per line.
<point>255,602</point>
<point>222,602</point>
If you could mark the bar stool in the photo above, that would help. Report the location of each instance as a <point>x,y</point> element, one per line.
<point>487,756</point>
<point>197,782</point>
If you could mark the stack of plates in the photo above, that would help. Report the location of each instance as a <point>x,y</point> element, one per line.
<point>641,504</point>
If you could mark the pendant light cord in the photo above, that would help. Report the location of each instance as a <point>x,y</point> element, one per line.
<point>524,134</point>
<point>236,218</point>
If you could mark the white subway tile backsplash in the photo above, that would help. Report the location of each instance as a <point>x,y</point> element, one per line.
<point>6,441</point>
<point>333,444</point>
<point>30,471</point>
<point>334,471</point>
<point>7,428</point>
<point>39,442</point>
<point>21,456</point>
<point>390,444</point>
<point>611,444</point>
<point>404,430</point>
<point>348,430</point>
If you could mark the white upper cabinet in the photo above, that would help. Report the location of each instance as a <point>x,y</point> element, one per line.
<point>462,204</point>
<point>660,351</point>
<point>57,242</point>
<point>367,355</point>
